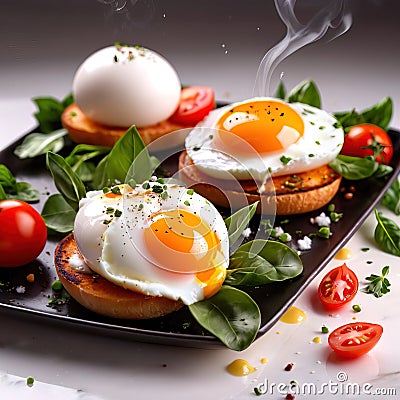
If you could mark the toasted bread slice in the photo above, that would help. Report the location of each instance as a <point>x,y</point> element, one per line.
<point>103,297</point>
<point>81,129</point>
<point>292,194</point>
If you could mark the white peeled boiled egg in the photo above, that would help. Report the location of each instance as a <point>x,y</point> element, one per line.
<point>263,137</point>
<point>123,86</point>
<point>173,244</point>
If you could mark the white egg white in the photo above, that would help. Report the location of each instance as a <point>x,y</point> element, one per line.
<point>124,86</point>
<point>320,144</point>
<point>114,246</point>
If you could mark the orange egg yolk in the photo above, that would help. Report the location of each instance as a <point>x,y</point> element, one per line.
<point>180,241</point>
<point>266,125</point>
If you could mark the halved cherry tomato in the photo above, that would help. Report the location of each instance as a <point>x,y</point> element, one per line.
<point>338,287</point>
<point>355,339</point>
<point>368,140</point>
<point>23,233</point>
<point>196,102</point>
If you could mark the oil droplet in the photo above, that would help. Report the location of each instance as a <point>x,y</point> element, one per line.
<point>343,254</point>
<point>240,367</point>
<point>293,316</point>
<point>264,360</point>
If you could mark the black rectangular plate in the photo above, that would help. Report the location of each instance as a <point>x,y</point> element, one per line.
<point>179,328</point>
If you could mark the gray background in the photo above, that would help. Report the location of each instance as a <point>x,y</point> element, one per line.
<point>216,43</point>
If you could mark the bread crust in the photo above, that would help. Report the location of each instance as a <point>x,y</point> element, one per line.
<point>317,188</point>
<point>81,129</point>
<point>99,295</point>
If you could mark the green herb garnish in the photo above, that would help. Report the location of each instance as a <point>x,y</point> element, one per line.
<point>285,160</point>
<point>379,283</point>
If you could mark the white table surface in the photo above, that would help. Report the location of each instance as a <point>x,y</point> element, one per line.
<point>42,43</point>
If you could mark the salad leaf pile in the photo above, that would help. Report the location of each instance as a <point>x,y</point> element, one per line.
<point>231,314</point>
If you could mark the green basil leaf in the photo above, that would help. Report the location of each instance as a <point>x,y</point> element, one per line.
<point>387,235</point>
<point>382,170</point>
<point>128,159</point>
<point>25,192</point>
<point>238,222</point>
<point>79,158</point>
<point>231,315</point>
<point>66,180</point>
<point>3,195</point>
<point>49,112</point>
<point>391,199</point>
<point>307,93</point>
<point>67,100</point>
<point>263,261</point>
<point>58,214</point>
<point>37,144</point>
<point>379,114</point>
<point>280,91</point>
<point>354,168</point>
<point>349,118</point>
<point>7,179</point>
<point>85,170</point>
<point>16,190</point>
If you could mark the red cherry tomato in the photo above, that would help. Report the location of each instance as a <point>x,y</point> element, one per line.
<point>368,140</point>
<point>338,287</point>
<point>355,339</point>
<point>196,102</point>
<point>23,233</point>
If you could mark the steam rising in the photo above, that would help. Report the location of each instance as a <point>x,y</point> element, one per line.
<point>331,14</point>
<point>130,12</point>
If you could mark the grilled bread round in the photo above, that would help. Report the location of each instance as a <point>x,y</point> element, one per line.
<point>97,294</point>
<point>290,194</point>
<point>81,129</point>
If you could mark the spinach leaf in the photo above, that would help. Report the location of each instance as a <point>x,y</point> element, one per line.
<point>25,192</point>
<point>16,190</point>
<point>387,235</point>
<point>280,91</point>
<point>354,168</point>
<point>348,119</point>
<point>37,144</point>
<point>306,92</point>
<point>7,179</point>
<point>49,112</point>
<point>58,214</point>
<point>379,114</point>
<point>231,315</point>
<point>128,159</point>
<point>79,158</point>
<point>391,199</point>
<point>262,261</point>
<point>66,180</point>
<point>238,222</point>
<point>3,195</point>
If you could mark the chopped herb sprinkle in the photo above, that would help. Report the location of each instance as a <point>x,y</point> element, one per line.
<point>356,308</point>
<point>285,160</point>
